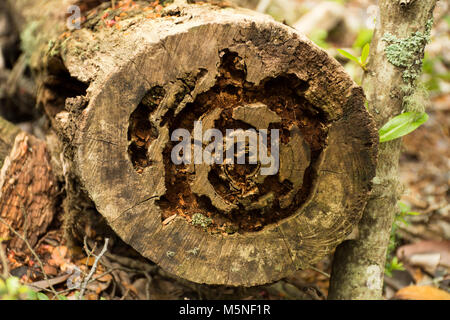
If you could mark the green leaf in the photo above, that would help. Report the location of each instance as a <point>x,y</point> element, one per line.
<point>348,55</point>
<point>401,219</point>
<point>392,265</point>
<point>403,207</point>
<point>365,53</point>
<point>402,125</point>
<point>61,297</point>
<point>412,213</point>
<point>31,295</point>
<point>42,296</point>
<point>396,265</point>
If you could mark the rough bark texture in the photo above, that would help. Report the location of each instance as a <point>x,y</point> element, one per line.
<point>115,94</point>
<point>28,188</point>
<point>358,266</point>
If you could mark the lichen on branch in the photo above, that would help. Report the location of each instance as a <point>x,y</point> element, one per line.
<point>408,53</point>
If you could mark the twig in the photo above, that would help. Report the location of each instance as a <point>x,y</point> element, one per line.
<point>93,269</point>
<point>42,285</point>
<point>320,271</point>
<point>41,265</point>
<point>126,294</point>
<point>147,285</point>
<point>90,281</point>
<point>88,251</point>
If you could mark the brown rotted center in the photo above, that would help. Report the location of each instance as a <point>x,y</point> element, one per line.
<point>235,197</point>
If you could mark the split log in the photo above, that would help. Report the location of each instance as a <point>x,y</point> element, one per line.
<point>28,187</point>
<point>116,90</point>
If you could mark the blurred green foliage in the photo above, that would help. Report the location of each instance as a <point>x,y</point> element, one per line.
<point>319,37</point>
<point>12,289</point>
<point>391,260</point>
<point>364,37</point>
<point>432,76</point>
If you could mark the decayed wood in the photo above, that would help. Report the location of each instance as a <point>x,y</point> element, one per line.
<point>128,85</point>
<point>28,188</point>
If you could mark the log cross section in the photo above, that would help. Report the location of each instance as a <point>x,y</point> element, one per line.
<point>134,85</point>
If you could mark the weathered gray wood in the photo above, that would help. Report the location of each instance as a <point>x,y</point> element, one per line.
<point>153,75</point>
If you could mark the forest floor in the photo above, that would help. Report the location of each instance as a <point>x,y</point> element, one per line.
<point>418,262</point>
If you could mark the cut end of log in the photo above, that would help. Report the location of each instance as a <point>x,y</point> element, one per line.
<point>228,222</point>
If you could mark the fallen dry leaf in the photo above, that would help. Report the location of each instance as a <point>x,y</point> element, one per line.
<point>98,287</point>
<point>58,256</point>
<point>89,261</point>
<point>442,247</point>
<point>428,261</point>
<point>105,278</point>
<point>422,293</point>
<point>50,270</point>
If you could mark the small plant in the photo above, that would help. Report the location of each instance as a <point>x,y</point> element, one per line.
<point>393,265</point>
<point>392,262</point>
<point>402,125</point>
<point>405,210</point>
<point>362,60</point>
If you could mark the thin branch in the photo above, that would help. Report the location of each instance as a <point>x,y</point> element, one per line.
<point>93,269</point>
<point>320,271</point>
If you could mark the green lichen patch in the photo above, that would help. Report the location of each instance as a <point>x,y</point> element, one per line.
<point>199,219</point>
<point>170,254</point>
<point>408,53</point>
<point>194,251</point>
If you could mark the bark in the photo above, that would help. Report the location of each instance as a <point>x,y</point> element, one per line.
<point>28,188</point>
<point>115,92</point>
<point>358,266</point>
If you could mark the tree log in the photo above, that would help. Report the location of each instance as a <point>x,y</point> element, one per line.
<point>116,90</point>
<point>28,187</point>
